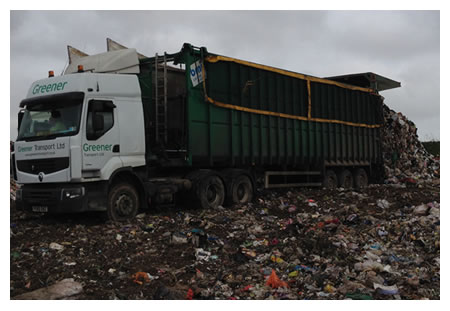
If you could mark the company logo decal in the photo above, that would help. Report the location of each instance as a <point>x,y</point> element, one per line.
<point>47,88</point>
<point>196,73</point>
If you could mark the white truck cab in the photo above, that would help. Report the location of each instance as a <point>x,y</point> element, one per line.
<point>76,131</point>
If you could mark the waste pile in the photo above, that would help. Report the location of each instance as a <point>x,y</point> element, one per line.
<point>406,160</point>
<point>12,189</point>
<point>379,243</point>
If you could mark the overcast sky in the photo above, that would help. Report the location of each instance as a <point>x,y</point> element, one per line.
<point>401,45</point>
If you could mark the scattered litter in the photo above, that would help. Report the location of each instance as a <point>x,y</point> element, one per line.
<point>386,290</point>
<point>65,288</point>
<point>179,238</point>
<point>142,278</point>
<point>202,255</point>
<point>382,242</point>
<point>274,282</point>
<point>383,204</point>
<point>56,246</point>
<point>293,274</point>
<point>190,294</point>
<point>421,210</point>
<point>358,296</point>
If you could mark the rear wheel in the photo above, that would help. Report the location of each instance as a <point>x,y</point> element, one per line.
<point>241,190</point>
<point>330,180</point>
<point>123,202</point>
<point>209,190</point>
<point>360,178</point>
<point>345,179</point>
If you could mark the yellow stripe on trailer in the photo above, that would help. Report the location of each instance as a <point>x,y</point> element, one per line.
<point>287,116</point>
<point>217,58</point>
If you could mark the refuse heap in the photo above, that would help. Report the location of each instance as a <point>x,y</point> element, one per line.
<point>405,158</point>
<point>12,189</point>
<point>380,243</point>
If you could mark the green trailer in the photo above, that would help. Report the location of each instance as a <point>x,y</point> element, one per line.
<point>224,114</point>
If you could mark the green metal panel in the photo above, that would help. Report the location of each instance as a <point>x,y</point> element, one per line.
<point>227,137</point>
<point>145,82</point>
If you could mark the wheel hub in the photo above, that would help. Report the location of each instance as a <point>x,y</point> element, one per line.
<point>211,194</point>
<point>362,180</point>
<point>124,204</point>
<point>241,191</point>
<point>333,182</point>
<point>348,182</point>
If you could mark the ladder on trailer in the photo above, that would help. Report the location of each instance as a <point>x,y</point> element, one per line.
<point>161,101</point>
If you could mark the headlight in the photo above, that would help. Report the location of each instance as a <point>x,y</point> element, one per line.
<point>72,193</point>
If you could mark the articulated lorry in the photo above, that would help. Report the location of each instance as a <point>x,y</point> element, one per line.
<point>119,131</point>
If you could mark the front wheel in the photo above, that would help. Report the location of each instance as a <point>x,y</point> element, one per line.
<point>123,202</point>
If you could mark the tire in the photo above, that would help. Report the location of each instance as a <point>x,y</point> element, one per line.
<point>330,180</point>
<point>189,198</point>
<point>209,191</point>
<point>345,179</point>
<point>241,190</point>
<point>360,178</point>
<point>123,202</point>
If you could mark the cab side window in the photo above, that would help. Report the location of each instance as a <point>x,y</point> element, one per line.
<point>100,118</point>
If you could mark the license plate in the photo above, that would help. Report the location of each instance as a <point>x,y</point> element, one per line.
<point>40,209</point>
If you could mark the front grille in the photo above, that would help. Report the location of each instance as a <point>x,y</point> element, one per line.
<point>46,166</point>
<point>48,197</point>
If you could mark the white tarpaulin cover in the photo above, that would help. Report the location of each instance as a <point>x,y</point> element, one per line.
<point>120,61</point>
<point>112,45</point>
<point>75,54</point>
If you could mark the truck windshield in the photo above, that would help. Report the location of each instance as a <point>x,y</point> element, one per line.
<point>48,119</point>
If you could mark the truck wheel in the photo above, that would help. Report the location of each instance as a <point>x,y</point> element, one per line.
<point>345,179</point>
<point>210,191</point>
<point>123,202</point>
<point>241,190</point>
<point>330,180</point>
<point>360,178</point>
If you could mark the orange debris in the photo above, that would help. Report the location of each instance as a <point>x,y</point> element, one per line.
<point>274,281</point>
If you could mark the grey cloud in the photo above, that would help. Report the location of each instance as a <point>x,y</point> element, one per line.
<point>402,45</point>
<point>391,35</point>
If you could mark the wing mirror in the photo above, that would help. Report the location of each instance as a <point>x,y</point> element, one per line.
<point>19,118</point>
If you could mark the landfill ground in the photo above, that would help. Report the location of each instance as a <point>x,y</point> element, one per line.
<point>379,243</point>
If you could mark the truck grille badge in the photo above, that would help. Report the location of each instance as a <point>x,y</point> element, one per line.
<point>41,176</point>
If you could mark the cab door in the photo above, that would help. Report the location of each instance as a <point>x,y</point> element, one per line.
<point>100,145</point>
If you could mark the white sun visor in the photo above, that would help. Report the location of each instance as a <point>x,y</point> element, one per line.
<point>120,61</point>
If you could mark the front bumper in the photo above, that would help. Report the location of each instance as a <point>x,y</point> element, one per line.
<point>62,198</point>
